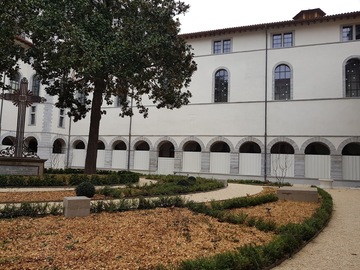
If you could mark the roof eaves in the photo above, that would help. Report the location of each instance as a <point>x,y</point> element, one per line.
<point>256,27</point>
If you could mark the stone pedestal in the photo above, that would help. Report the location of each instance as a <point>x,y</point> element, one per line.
<point>76,206</point>
<point>298,194</point>
<point>326,183</point>
<point>21,166</point>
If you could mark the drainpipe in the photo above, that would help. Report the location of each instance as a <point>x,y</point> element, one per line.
<point>130,128</point>
<point>68,146</point>
<point>266,103</point>
<point>2,104</point>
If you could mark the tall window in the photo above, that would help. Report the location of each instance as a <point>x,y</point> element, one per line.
<point>120,98</point>
<point>350,32</point>
<point>81,97</point>
<point>15,82</point>
<point>282,82</point>
<point>222,46</point>
<point>352,78</point>
<point>62,118</point>
<point>221,86</point>
<point>282,40</point>
<point>35,86</point>
<point>32,115</point>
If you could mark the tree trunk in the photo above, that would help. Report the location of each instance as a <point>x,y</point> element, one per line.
<point>91,152</point>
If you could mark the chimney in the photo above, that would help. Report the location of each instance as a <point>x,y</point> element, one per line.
<point>309,14</point>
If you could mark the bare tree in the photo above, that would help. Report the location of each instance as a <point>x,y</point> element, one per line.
<point>280,164</point>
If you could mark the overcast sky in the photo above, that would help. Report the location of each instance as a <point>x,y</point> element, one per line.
<point>216,14</point>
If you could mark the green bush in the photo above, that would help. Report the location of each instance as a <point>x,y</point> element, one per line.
<point>3,181</point>
<point>85,189</point>
<point>16,180</point>
<point>111,192</point>
<point>76,179</point>
<point>29,210</point>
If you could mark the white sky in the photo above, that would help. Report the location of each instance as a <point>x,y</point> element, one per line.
<point>216,14</point>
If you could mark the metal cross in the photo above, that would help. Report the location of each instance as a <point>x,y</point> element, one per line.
<point>22,98</point>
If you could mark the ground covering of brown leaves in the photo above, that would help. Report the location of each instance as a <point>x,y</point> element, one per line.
<point>132,240</point>
<point>129,240</point>
<point>39,196</point>
<point>282,211</point>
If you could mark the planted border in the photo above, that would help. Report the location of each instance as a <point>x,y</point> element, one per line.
<point>62,179</point>
<point>289,240</point>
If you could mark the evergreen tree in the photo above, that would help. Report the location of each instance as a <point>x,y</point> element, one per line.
<point>88,51</point>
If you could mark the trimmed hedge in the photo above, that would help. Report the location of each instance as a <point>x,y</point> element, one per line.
<point>61,179</point>
<point>290,239</point>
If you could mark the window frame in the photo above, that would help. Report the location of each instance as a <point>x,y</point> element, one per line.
<point>352,34</point>
<point>32,115</point>
<point>61,118</point>
<point>348,90</point>
<point>222,46</point>
<point>35,87</point>
<point>218,92</point>
<point>283,40</point>
<point>282,77</point>
<point>15,82</point>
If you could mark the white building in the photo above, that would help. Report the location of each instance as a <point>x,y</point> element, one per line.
<point>290,89</point>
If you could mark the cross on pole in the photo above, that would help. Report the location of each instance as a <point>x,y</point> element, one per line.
<point>22,98</point>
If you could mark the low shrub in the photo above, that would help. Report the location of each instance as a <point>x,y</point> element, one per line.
<point>29,210</point>
<point>85,189</point>
<point>76,179</point>
<point>3,181</point>
<point>290,238</point>
<point>111,192</point>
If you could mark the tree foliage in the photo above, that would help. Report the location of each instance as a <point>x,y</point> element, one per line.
<point>88,51</point>
<point>11,44</point>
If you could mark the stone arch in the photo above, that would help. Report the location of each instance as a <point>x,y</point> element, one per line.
<point>191,139</point>
<point>161,140</point>
<point>133,143</point>
<point>8,134</point>
<point>101,145</point>
<point>219,139</point>
<point>319,140</point>
<point>77,140</point>
<point>104,142</point>
<point>166,149</point>
<point>283,139</point>
<point>8,140</point>
<point>56,147</point>
<point>116,140</point>
<point>32,143</point>
<point>250,139</point>
<point>346,142</point>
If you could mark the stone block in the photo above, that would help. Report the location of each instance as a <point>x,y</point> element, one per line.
<point>326,183</point>
<point>76,206</point>
<point>303,194</point>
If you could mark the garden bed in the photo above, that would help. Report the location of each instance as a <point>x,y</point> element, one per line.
<point>139,239</point>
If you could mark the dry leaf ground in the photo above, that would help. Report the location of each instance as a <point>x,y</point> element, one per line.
<point>131,240</point>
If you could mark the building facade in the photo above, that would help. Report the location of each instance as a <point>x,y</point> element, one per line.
<point>273,100</point>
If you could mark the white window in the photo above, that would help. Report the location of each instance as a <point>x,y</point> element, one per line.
<point>282,40</point>
<point>81,98</point>
<point>35,86</point>
<point>15,82</point>
<point>62,118</point>
<point>350,32</point>
<point>32,115</point>
<point>222,46</point>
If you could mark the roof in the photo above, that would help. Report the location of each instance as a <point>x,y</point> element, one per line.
<point>298,20</point>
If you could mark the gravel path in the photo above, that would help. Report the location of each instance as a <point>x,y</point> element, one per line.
<point>338,246</point>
